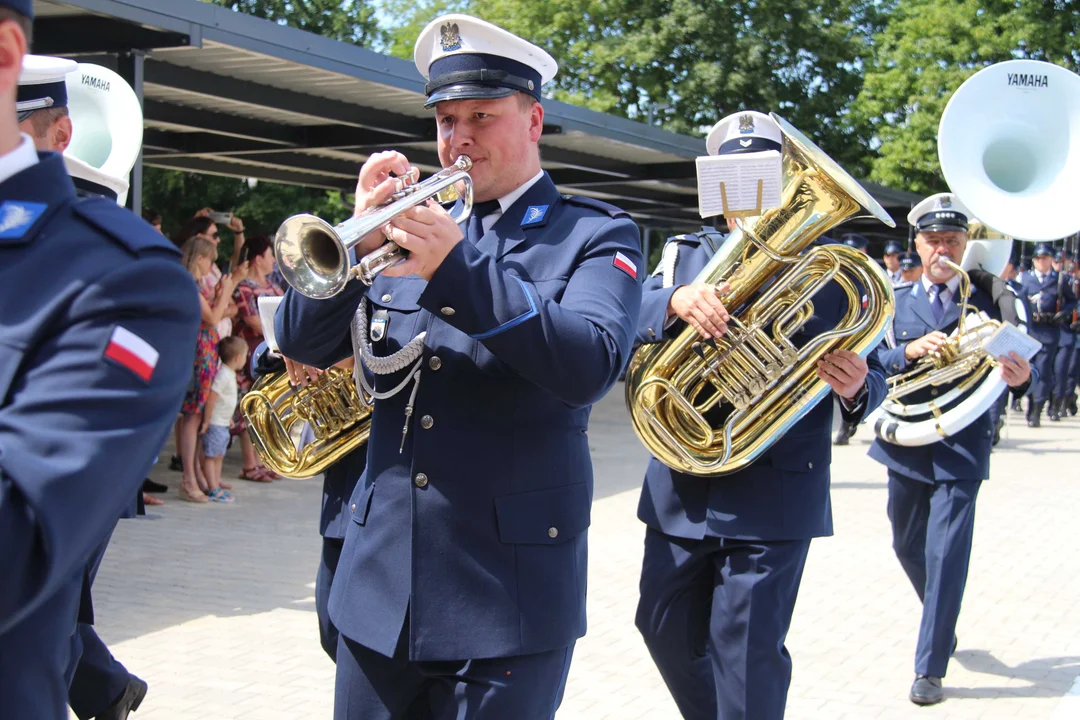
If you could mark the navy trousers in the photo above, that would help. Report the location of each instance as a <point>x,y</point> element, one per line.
<point>1074,369</point>
<point>1044,362</point>
<point>714,614</point>
<point>932,525</point>
<point>328,634</point>
<point>1062,361</point>
<point>371,686</point>
<point>97,679</point>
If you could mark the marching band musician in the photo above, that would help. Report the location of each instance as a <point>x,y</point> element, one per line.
<point>932,488</point>
<point>1067,339</point>
<point>100,685</point>
<point>892,262</point>
<point>339,481</point>
<point>93,368</point>
<point>1074,325</point>
<point>910,268</point>
<point>724,557</point>
<point>461,585</point>
<point>1040,287</point>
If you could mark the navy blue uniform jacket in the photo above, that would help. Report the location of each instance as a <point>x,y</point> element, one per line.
<point>1047,304</point>
<point>479,526</point>
<point>79,430</point>
<point>964,456</point>
<point>784,494</point>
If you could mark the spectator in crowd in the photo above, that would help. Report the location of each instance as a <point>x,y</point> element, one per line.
<point>199,254</point>
<point>154,218</point>
<point>249,327</point>
<point>217,415</point>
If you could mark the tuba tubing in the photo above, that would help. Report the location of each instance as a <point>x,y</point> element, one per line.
<point>755,374</point>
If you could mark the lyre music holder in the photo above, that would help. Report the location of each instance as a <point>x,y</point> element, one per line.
<point>729,213</point>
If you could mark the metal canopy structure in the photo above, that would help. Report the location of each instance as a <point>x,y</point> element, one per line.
<point>229,94</point>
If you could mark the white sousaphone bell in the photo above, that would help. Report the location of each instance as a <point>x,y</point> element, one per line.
<point>107,128</point>
<point>1009,147</point>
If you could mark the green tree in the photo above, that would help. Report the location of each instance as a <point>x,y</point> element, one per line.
<point>178,196</point>
<point>928,49</point>
<point>687,63</point>
<point>351,21</point>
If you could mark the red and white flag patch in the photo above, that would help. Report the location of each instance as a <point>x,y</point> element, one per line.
<point>625,264</point>
<point>128,350</point>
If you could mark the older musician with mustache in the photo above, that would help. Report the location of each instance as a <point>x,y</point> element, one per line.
<point>932,488</point>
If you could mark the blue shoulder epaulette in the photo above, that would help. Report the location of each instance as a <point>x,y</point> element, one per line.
<point>594,204</point>
<point>125,227</point>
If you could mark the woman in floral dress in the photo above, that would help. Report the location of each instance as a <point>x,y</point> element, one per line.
<point>249,326</point>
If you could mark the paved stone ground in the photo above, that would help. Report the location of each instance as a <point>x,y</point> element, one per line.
<point>213,605</point>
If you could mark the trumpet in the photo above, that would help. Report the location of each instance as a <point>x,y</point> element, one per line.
<point>314,257</point>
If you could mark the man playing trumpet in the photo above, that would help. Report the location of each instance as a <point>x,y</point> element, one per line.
<point>462,578</point>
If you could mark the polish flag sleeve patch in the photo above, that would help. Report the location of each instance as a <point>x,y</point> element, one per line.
<point>130,351</point>
<point>625,264</point>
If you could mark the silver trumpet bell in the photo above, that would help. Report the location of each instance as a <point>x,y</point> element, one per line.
<point>315,258</point>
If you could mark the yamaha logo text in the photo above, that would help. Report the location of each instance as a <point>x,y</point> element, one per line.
<point>96,83</point>
<point>1026,80</point>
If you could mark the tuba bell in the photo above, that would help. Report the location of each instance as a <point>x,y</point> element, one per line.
<point>1007,167</point>
<point>301,431</point>
<point>314,257</point>
<point>708,407</point>
<point>107,128</point>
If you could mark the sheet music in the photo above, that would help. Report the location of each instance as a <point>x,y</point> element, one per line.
<point>1010,338</point>
<point>740,175</point>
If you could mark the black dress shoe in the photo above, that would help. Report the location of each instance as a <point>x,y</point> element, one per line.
<point>127,703</point>
<point>175,463</point>
<point>926,690</point>
<point>955,640</point>
<point>842,435</point>
<point>150,486</point>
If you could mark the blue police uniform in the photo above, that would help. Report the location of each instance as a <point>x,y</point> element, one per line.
<point>724,556</point>
<point>1074,362</point>
<point>93,368</point>
<point>932,488</point>
<point>1042,292</point>
<point>339,482</point>
<point>477,527</point>
<point>1067,342</point>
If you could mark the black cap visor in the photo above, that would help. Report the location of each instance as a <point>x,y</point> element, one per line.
<point>468,91</point>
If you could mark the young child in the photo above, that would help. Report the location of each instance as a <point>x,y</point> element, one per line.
<point>218,413</point>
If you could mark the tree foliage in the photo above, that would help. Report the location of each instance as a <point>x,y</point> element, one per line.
<point>350,21</point>
<point>928,49</point>
<point>687,63</point>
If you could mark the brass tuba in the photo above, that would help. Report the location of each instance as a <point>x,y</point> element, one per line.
<point>336,418</point>
<point>708,407</point>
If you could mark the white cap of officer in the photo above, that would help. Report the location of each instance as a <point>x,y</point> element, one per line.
<point>465,58</point>
<point>744,132</point>
<point>42,84</point>
<point>940,212</point>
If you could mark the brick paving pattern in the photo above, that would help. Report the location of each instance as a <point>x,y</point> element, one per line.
<point>214,604</point>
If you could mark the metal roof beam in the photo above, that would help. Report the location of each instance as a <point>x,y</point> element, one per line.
<point>213,85</point>
<point>219,123</point>
<point>96,34</point>
<point>207,166</point>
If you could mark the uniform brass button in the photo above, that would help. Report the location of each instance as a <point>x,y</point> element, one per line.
<point>553,532</point>
<point>387,297</point>
<point>934,391</point>
<point>435,362</point>
<point>809,466</point>
<point>904,334</point>
<point>420,480</point>
<point>447,311</point>
<point>426,422</point>
<point>353,507</point>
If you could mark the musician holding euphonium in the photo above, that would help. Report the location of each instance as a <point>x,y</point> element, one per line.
<point>932,487</point>
<point>724,554</point>
<point>461,583</point>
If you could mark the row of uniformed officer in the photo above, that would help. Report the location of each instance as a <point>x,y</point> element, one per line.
<point>94,363</point>
<point>1064,385</point>
<point>932,488</point>
<point>1052,303</point>
<point>724,556</point>
<point>461,583</point>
